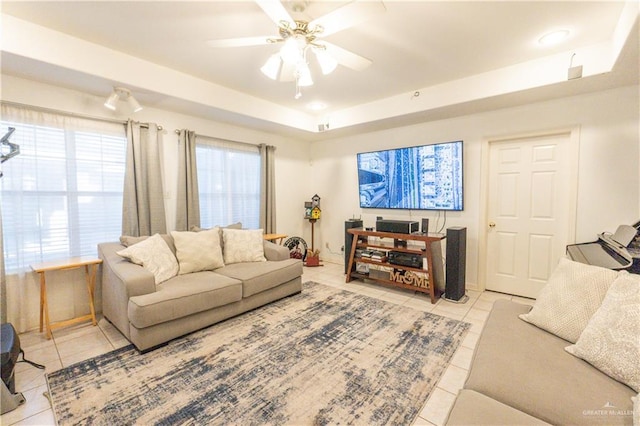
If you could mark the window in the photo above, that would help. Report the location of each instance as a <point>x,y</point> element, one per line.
<point>63,194</point>
<point>228,183</point>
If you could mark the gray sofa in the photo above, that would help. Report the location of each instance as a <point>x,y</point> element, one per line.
<point>149,314</point>
<point>522,375</point>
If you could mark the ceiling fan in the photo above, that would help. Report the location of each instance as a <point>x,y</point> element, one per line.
<point>300,37</point>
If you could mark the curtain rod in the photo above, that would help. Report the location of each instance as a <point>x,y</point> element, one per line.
<point>221,139</point>
<point>72,114</point>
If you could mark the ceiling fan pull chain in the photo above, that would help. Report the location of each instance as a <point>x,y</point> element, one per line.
<point>298,92</point>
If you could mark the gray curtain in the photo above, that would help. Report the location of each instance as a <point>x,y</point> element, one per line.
<point>143,198</point>
<point>188,200</point>
<point>267,189</point>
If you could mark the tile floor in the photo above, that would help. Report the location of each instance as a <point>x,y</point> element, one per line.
<point>73,344</point>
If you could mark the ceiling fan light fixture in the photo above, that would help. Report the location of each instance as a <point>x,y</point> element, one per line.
<point>271,68</point>
<point>303,75</point>
<point>327,63</point>
<point>293,50</point>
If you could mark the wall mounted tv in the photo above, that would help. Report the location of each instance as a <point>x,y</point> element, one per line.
<point>427,177</point>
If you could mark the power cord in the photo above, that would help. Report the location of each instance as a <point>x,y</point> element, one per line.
<point>34,364</point>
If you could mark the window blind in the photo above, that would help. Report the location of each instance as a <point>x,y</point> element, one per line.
<point>228,182</point>
<point>63,194</point>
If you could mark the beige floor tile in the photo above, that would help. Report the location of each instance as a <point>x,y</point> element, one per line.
<point>44,418</point>
<point>492,296</point>
<point>35,404</point>
<point>523,300</point>
<point>75,357</point>
<point>41,355</point>
<point>454,308</point>
<point>485,305</point>
<point>462,357</point>
<point>73,332</point>
<point>419,421</point>
<point>391,297</point>
<point>112,334</point>
<point>420,303</point>
<point>473,295</point>
<point>83,347</point>
<point>446,313</point>
<point>476,324</point>
<point>437,408</point>
<point>471,340</point>
<point>29,377</point>
<point>453,379</point>
<point>81,342</point>
<point>477,314</point>
<point>33,340</point>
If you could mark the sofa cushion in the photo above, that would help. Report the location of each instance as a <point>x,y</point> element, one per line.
<point>572,295</point>
<point>154,255</point>
<point>243,245</point>
<point>182,296</point>
<point>473,408</point>
<point>198,251</point>
<point>611,340</point>
<point>528,369</point>
<point>260,276</point>
<point>127,240</point>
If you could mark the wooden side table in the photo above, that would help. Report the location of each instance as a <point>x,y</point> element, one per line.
<point>274,237</point>
<point>90,265</point>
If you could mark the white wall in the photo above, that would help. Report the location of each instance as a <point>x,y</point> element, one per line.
<point>608,183</point>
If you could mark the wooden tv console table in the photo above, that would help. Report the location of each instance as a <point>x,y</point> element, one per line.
<point>427,278</point>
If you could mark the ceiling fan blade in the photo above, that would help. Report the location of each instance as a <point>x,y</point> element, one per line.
<point>347,16</point>
<point>276,11</point>
<point>347,58</point>
<point>241,41</point>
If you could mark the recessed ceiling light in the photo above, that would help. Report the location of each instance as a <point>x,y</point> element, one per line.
<point>317,106</point>
<point>553,37</point>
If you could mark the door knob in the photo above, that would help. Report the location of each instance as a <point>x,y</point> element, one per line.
<point>492,224</point>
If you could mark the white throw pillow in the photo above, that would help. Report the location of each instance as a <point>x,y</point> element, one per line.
<point>198,251</point>
<point>611,340</point>
<point>155,256</point>
<point>243,245</point>
<point>572,295</point>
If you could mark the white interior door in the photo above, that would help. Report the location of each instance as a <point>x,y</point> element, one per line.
<point>530,202</point>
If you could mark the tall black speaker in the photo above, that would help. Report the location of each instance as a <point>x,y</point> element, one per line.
<point>456,265</point>
<point>348,238</point>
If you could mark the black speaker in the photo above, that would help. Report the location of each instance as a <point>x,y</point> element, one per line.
<point>348,238</point>
<point>425,226</point>
<point>456,264</point>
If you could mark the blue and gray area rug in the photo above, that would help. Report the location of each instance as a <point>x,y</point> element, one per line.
<point>323,357</point>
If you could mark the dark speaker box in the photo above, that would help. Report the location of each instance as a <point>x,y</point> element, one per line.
<point>348,238</point>
<point>396,226</point>
<point>456,263</point>
<point>425,226</point>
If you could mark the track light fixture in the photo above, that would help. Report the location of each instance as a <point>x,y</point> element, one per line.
<point>123,94</point>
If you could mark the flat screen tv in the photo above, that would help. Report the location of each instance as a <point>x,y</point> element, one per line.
<point>427,177</point>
